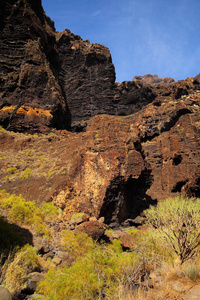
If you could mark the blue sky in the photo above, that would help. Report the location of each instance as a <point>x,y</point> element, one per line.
<point>144,36</point>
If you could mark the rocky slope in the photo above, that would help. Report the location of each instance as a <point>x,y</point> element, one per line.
<point>137,142</point>
<point>116,168</point>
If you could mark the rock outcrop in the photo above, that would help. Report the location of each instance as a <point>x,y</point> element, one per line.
<point>87,77</point>
<point>154,80</point>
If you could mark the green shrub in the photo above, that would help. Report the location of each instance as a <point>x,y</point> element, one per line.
<point>191,270</point>
<point>151,247</point>
<point>26,173</point>
<point>50,211</point>
<point>29,153</point>
<point>96,275</point>
<point>76,244</point>
<point>93,276</point>
<point>177,220</point>
<point>24,212</point>
<point>24,262</point>
<point>12,170</point>
<point>116,246</point>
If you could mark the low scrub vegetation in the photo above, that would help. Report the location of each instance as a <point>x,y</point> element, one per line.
<point>168,245</point>
<point>95,275</point>
<point>177,220</point>
<point>23,262</point>
<point>22,212</point>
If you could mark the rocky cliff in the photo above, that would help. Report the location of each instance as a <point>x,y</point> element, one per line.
<point>135,143</point>
<point>51,79</point>
<point>30,96</point>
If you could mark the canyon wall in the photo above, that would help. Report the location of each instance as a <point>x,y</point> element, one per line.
<point>111,149</point>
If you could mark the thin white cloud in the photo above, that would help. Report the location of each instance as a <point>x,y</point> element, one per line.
<point>97,13</point>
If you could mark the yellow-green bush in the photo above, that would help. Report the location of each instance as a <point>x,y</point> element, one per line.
<point>96,275</point>
<point>12,170</point>
<point>26,173</point>
<point>77,244</point>
<point>116,246</point>
<point>75,216</point>
<point>50,211</point>
<point>24,262</point>
<point>24,212</point>
<point>151,247</point>
<point>92,276</point>
<point>177,222</point>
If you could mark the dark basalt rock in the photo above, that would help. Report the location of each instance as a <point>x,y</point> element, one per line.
<point>57,80</point>
<point>28,75</point>
<point>69,80</point>
<point>86,75</point>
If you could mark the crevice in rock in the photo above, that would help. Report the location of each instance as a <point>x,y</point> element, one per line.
<point>178,186</point>
<point>165,126</point>
<point>168,125</point>
<point>126,199</point>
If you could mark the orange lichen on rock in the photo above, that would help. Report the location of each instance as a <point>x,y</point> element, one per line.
<point>27,110</point>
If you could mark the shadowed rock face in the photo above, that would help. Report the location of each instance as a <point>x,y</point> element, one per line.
<point>28,75</point>
<point>87,78</point>
<point>138,142</point>
<point>86,75</point>
<point>57,79</point>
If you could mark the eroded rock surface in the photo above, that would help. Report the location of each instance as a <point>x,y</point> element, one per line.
<point>115,169</point>
<point>50,79</point>
<point>30,96</point>
<point>141,139</point>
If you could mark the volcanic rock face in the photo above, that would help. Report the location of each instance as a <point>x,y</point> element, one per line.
<point>115,169</point>
<point>138,142</point>
<point>28,77</point>
<point>87,78</point>
<point>86,75</point>
<point>53,79</point>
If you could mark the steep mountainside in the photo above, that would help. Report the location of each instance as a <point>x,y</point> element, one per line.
<point>134,143</point>
<point>115,169</point>
<point>89,155</point>
<point>51,79</point>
